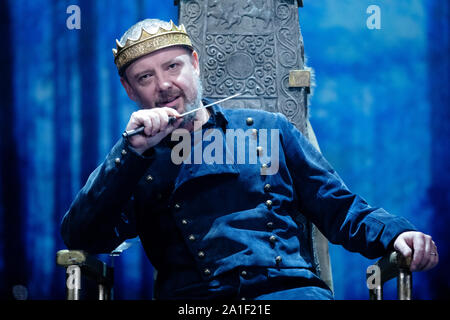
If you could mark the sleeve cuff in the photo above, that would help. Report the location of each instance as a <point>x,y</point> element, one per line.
<point>147,155</point>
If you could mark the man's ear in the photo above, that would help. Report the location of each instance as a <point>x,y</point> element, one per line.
<point>195,62</point>
<point>128,88</point>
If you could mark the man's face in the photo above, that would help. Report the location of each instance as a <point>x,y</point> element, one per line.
<point>165,78</point>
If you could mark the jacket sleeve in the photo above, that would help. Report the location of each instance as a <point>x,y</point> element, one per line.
<point>342,216</point>
<point>101,216</point>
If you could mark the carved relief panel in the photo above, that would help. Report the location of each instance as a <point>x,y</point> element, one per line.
<point>249,46</point>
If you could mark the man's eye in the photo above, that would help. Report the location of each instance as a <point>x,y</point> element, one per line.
<point>173,66</point>
<point>145,77</point>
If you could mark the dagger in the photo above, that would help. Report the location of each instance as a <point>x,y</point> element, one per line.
<point>172,119</point>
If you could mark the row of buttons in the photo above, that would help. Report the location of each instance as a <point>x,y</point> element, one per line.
<point>267,188</point>
<point>118,160</point>
<point>191,237</point>
<point>259,149</point>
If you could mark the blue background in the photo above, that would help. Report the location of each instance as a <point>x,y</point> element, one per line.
<point>380,110</point>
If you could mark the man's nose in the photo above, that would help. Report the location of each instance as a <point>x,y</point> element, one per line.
<point>164,83</point>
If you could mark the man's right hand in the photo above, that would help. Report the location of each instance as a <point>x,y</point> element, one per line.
<point>156,127</point>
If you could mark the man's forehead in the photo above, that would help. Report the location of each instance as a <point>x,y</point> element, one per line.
<point>170,52</point>
<point>161,57</point>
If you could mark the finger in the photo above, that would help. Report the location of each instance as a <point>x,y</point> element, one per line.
<point>139,119</point>
<point>432,262</point>
<point>156,123</point>
<point>163,133</point>
<point>402,247</point>
<point>419,249</point>
<point>175,118</point>
<point>136,120</point>
<point>433,244</point>
<point>163,118</point>
<point>434,257</point>
<point>147,122</point>
<point>169,128</point>
<point>164,114</point>
<point>171,112</point>
<point>427,256</point>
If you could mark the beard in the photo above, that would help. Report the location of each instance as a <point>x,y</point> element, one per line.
<point>194,104</point>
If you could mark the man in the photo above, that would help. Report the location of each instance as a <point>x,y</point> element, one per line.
<point>220,229</point>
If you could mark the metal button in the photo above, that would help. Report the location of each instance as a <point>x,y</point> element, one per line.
<point>184,222</point>
<point>149,178</point>
<point>267,187</point>
<point>273,239</point>
<point>264,166</point>
<point>117,160</point>
<point>191,237</point>
<point>177,206</point>
<point>269,225</point>
<point>269,204</point>
<point>201,254</point>
<point>243,273</point>
<point>255,132</point>
<point>124,152</point>
<point>249,121</point>
<point>278,259</point>
<point>206,272</point>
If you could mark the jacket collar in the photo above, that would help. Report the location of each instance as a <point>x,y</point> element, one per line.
<point>217,117</point>
<point>187,172</point>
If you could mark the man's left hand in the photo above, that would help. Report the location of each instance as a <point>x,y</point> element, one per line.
<point>420,246</point>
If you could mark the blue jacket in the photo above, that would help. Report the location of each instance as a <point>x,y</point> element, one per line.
<point>199,223</point>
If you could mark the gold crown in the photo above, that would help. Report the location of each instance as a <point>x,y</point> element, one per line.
<point>146,37</point>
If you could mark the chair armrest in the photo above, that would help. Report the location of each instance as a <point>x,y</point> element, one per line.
<point>89,266</point>
<point>391,264</point>
<point>394,264</point>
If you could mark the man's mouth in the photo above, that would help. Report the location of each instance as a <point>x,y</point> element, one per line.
<point>170,102</point>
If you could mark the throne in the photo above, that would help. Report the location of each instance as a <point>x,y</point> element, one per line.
<point>252,47</point>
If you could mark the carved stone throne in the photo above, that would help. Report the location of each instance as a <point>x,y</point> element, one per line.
<point>256,47</point>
